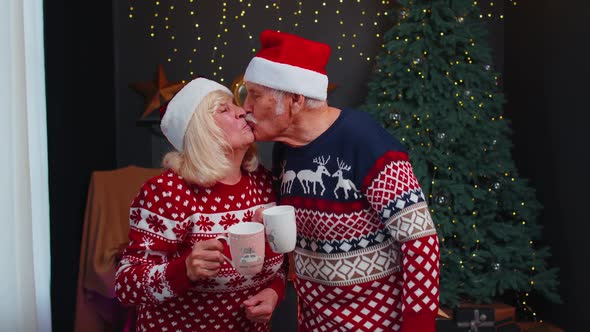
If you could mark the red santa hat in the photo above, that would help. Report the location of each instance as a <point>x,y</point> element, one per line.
<point>290,63</point>
<point>181,108</point>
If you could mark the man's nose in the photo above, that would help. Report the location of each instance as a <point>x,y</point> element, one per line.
<point>247,105</point>
<point>239,111</point>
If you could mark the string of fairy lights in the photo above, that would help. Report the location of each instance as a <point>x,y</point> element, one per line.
<point>235,19</point>
<point>164,13</point>
<point>493,9</point>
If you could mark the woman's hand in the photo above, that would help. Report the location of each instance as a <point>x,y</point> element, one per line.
<point>259,307</point>
<point>257,217</point>
<point>204,260</point>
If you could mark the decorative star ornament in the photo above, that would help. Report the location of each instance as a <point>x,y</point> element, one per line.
<point>331,87</point>
<point>158,92</point>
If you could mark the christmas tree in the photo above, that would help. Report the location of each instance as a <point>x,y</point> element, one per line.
<point>435,89</point>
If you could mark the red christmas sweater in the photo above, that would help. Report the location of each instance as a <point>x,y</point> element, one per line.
<point>167,217</point>
<point>367,255</point>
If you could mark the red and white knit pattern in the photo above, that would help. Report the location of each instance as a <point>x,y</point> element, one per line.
<point>167,217</point>
<point>384,272</point>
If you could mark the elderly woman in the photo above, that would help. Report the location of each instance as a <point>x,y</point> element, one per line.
<point>173,269</point>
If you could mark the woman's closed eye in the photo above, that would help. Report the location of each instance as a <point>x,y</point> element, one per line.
<point>222,108</point>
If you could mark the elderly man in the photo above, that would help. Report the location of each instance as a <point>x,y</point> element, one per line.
<point>367,255</point>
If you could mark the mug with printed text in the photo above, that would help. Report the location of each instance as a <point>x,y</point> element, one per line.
<point>246,245</point>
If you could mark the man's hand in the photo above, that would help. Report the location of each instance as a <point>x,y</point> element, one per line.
<point>259,307</point>
<point>204,260</point>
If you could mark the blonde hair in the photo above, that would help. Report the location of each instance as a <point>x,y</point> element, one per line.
<point>204,160</point>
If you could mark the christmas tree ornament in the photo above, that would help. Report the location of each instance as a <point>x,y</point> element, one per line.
<point>403,13</point>
<point>238,88</point>
<point>496,267</point>
<point>441,199</point>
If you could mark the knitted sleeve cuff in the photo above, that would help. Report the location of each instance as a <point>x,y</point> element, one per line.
<point>176,275</point>
<point>278,285</point>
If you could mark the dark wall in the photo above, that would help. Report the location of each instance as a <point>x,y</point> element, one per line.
<point>546,77</point>
<point>81,132</point>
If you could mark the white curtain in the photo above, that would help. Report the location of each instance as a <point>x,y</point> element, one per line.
<point>24,195</point>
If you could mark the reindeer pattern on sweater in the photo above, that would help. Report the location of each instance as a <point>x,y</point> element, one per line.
<point>367,251</point>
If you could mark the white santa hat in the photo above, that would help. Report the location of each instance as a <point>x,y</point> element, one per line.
<point>180,109</point>
<point>290,63</point>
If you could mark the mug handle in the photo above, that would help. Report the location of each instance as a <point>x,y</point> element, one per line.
<point>221,237</point>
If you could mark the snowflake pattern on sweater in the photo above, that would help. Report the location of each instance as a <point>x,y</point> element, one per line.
<point>367,255</point>
<point>167,217</point>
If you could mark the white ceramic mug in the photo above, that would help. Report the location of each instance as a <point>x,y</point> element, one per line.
<point>246,245</point>
<point>280,228</point>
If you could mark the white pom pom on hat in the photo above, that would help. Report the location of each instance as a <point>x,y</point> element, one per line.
<point>180,109</point>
